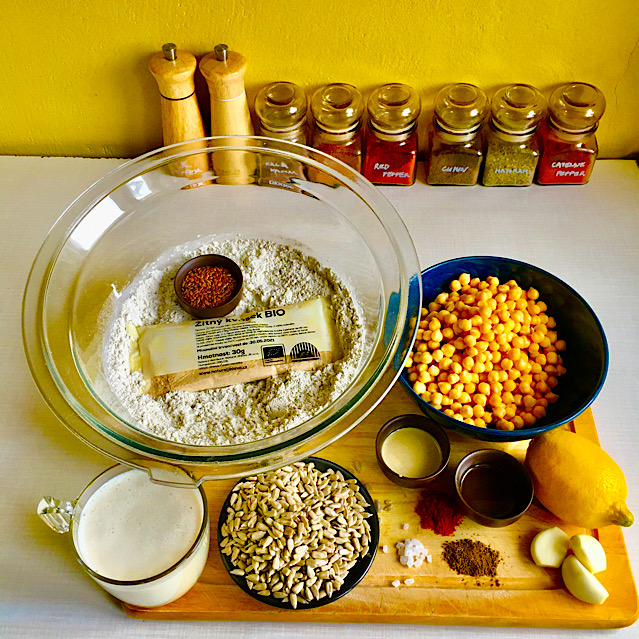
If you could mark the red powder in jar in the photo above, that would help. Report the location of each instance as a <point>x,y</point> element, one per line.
<point>438,512</point>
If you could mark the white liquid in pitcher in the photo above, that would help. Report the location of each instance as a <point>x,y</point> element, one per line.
<point>132,529</point>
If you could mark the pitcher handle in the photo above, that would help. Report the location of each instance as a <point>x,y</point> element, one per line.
<point>56,514</point>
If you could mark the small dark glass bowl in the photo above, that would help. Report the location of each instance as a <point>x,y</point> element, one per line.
<point>585,358</point>
<point>355,574</point>
<point>412,421</point>
<point>515,487</point>
<point>210,260</point>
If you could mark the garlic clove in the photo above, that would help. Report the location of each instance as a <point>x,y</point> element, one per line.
<point>549,547</point>
<point>581,583</point>
<point>589,552</point>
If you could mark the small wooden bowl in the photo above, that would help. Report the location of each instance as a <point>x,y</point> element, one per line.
<point>210,260</point>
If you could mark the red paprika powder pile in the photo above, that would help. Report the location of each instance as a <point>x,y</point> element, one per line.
<point>438,511</point>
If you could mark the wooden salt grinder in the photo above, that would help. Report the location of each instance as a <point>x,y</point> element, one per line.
<point>174,70</point>
<point>224,73</point>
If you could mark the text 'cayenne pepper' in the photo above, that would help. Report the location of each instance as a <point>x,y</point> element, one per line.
<point>208,286</point>
<point>438,512</point>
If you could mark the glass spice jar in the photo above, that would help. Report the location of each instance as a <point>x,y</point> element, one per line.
<point>568,146</point>
<point>390,155</point>
<point>281,109</point>
<point>456,145</point>
<point>337,111</point>
<point>512,150</point>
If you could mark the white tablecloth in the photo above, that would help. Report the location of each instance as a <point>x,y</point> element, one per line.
<point>588,236</point>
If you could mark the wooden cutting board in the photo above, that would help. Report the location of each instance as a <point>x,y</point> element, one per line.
<point>525,596</point>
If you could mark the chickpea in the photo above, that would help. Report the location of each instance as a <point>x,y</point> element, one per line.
<point>466,411</point>
<point>445,363</point>
<point>499,411</point>
<point>455,393</point>
<point>479,367</point>
<point>504,424</point>
<point>511,410</point>
<point>480,399</point>
<point>539,412</point>
<point>444,387</point>
<point>448,350</point>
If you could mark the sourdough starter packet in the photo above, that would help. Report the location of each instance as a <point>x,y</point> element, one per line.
<point>212,353</point>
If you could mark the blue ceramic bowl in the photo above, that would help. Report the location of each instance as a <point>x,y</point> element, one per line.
<point>585,358</point>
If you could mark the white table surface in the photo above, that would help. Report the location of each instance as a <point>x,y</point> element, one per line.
<point>588,236</point>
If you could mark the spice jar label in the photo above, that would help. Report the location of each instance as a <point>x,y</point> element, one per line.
<point>387,173</point>
<point>212,353</point>
<point>273,171</point>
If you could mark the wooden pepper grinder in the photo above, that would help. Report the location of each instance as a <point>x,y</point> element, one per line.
<point>173,70</point>
<point>224,73</point>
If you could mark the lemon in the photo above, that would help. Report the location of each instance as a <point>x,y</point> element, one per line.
<point>577,481</point>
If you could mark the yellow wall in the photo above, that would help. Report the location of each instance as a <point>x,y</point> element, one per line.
<point>75,77</point>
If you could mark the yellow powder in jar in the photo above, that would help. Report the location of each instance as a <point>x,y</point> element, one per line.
<point>411,452</point>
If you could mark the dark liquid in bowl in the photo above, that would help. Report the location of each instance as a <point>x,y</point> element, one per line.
<point>492,491</point>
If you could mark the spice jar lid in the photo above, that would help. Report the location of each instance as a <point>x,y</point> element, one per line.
<point>460,108</point>
<point>576,107</point>
<point>337,108</point>
<point>281,106</point>
<point>518,108</point>
<point>394,108</point>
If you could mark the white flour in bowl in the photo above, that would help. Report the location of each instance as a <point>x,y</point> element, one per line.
<point>274,275</point>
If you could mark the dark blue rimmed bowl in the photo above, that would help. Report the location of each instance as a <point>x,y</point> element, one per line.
<point>585,358</point>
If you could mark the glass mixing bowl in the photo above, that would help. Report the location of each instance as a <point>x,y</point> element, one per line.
<point>222,187</point>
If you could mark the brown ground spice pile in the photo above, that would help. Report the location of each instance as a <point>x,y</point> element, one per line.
<point>473,558</point>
